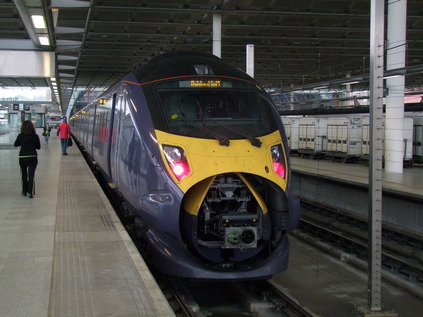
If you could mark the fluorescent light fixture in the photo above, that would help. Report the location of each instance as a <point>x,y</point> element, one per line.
<point>38,21</point>
<point>350,83</point>
<point>391,76</point>
<point>44,40</point>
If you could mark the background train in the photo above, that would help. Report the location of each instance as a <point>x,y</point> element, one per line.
<point>197,150</point>
<point>347,137</point>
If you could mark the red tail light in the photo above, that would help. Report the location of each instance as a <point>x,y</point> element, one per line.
<point>279,169</point>
<point>278,160</point>
<point>180,170</point>
<point>177,161</point>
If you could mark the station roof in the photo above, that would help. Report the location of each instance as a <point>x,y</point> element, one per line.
<point>296,43</point>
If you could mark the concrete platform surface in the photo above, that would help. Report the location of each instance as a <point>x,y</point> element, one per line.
<point>65,252</point>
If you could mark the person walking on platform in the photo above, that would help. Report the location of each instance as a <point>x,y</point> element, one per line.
<point>29,141</point>
<point>46,132</point>
<point>64,132</point>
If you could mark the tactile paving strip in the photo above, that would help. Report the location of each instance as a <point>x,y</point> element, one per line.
<point>94,273</point>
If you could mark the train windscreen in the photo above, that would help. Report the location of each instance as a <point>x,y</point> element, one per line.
<point>200,107</point>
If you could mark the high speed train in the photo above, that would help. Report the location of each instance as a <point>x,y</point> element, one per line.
<point>197,150</point>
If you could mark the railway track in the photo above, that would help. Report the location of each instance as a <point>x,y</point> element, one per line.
<point>401,251</point>
<point>262,298</point>
<point>200,298</point>
<point>345,236</point>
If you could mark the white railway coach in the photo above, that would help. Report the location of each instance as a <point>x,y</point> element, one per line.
<point>344,138</point>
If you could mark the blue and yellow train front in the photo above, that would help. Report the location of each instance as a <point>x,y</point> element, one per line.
<point>223,149</point>
<point>235,212</point>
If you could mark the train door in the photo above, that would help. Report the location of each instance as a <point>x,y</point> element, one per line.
<point>90,129</point>
<point>304,141</point>
<point>344,138</point>
<point>294,134</point>
<point>332,138</point>
<point>310,136</point>
<point>366,137</point>
<point>110,132</point>
<point>320,135</point>
<point>408,140</point>
<point>119,113</point>
<point>103,131</point>
<point>418,140</point>
<point>287,126</point>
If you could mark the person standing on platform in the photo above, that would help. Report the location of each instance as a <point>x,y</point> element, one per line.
<point>29,141</point>
<point>64,132</point>
<point>46,132</point>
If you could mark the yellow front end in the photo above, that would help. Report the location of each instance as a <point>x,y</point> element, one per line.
<point>207,158</point>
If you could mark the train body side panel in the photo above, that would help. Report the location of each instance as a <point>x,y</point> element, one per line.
<point>89,124</point>
<point>101,136</point>
<point>141,177</point>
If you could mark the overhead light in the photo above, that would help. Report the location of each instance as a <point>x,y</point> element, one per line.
<point>44,40</point>
<point>391,76</point>
<point>350,83</point>
<point>39,22</point>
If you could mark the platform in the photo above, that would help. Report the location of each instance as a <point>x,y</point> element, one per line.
<point>339,289</point>
<point>345,187</point>
<point>65,252</point>
<point>332,287</point>
<point>410,181</point>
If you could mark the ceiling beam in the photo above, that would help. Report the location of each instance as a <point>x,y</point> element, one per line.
<point>26,19</point>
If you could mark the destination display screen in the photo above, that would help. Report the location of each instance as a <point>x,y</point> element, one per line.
<point>215,82</point>
<point>205,83</point>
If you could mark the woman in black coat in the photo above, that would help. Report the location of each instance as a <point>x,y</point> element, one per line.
<point>29,142</point>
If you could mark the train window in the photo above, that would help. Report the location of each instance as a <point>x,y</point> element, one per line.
<point>203,69</point>
<point>198,112</point>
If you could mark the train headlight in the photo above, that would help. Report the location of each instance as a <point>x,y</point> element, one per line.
<point>177,161</point>
<point>278,160</point>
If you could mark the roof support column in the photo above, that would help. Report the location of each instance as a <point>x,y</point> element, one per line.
<point>376,148</point>
<point>217,34</point>
<point>395,58</point>
<point>291,98</point>
<point>250,59</point>
<point>347,101</point>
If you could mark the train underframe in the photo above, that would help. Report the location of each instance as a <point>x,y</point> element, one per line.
<point>237,225</point>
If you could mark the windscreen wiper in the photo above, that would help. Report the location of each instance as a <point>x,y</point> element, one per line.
<point>222,139</point>
<point>254,141</point>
